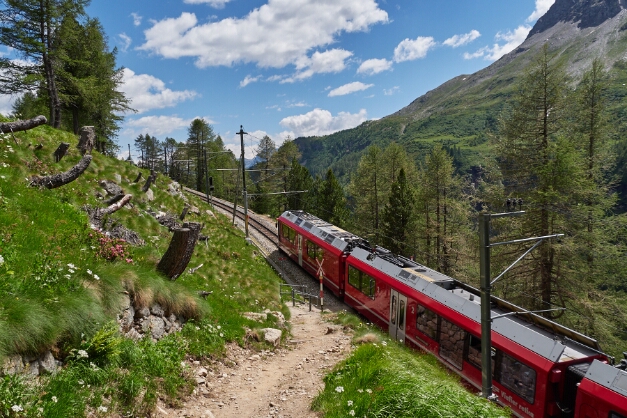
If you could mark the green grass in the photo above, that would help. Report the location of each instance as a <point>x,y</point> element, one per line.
<point>57,292</point>
<point>384,379</point>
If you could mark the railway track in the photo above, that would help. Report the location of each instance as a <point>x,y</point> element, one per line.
<point>263,231</point>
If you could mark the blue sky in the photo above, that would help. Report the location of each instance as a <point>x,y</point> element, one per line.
<point>295,67</point>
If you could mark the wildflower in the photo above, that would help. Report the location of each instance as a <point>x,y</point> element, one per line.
<point>96,277</point>
<point>80,382</point>
<point>350,403</point>
<point>221,335</point>
<point>71,271</point>
<point>384,343</point>
<point>82,354</point>
<point>54,399</point>
<point>219,327</point>
<point>72,266</point>
<point>339,389</point>
<point>352,413</point>
<point>360,390</point>
<point>369,390</point>
<point>89,272</point>
<point>1,259</point>
<point>102,408</point>
<point>197,328</point>
<point>129,260</point>
<point>67,276</point>
<point>93,366</point>
<point>17,408</point>
<point>3,177</point>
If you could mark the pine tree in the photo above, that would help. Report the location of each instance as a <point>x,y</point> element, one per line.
<point>299,179</point>
<point>367,189</point>
<point>199,135</point>
<point>331,205</point>
<point>398,217</point>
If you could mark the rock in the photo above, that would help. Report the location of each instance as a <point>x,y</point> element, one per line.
<point>111,188</point>
<point>210,213</point>
<point>118,178</point>
<point>47,363</point>
<point>194,210</point>
<point>157,310</point>
<point>209,414</point>
<point>201,372</point>
<point>255,316</point>
<point>174,189</point>
<point>32,369</point>
<point>126,319</point>
<point>279,316</point>
<point>254,357</point>
<point>12,365</point>
<point>157,327</point>
<point>142,313</point>
<point>200,380</point>
<point>150,195</point>
<point>133,335</point>
<point>272,336</point>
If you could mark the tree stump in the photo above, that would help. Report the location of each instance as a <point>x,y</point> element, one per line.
<point>184,213</point>
<point>61,179</point>
<point>87,140</point>
<point>149,180</point>
<point>61,151</point>
<point>176,258</point>
<point>139,176</point>
<point>22,125</point>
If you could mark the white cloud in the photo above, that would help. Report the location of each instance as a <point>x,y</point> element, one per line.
<point>412,49</point>
<point>218,4</point>
<point>349,88</point>
<point>331,61</point>
<point>459,40</point>
<point>277,34</point>
<point>542,6</point>
<point>512,40</point>
<point>321,122</point>
<point>137,19</point>
<point>251,142</point>
<point>389,92</point>
<point>147,92</point>
<point>374,66</point>
<point>154,125</point>
<point>248,79</point>
<point>126,41</point>
<point>6,103</point>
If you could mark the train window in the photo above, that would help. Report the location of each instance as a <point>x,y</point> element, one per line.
<point>452,343</point>
<point>517,377</point>
<point>288,233</point>
<point>393,310</point>
<point>427,322</point>
<point>401,316</point>
<point>361,281</point>
<point>473,355</point>
<point>314,252</point>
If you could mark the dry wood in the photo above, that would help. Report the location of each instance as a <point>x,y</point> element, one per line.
<point>177,256</point>
<point>61,151</point>
<point>116,206</point>
<point>184,213</point>
<point>61,179</point>
<point>22,125</point>
<point>139,176</point>
<point>152,177</point>
<point>87,140</point>
<point>115,198</point>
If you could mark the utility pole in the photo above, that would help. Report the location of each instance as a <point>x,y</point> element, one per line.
<point>486,289</point>
<point>241,135</point>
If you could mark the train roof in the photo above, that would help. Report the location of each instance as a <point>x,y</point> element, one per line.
<point>327,232</point>
<point>555,342</point>
<point>608,376</point>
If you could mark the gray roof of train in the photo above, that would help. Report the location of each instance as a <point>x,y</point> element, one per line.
<point>608,376</point>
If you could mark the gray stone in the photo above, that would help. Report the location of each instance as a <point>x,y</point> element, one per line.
<point>157,310</point>
<point>133,335</point>
<point>194,210</point>
<point>255,316</point>
<point>12,365</point>
<point>111,188</point>
<point>150,195</point>
<point>118,178</point>
<point>168,325</point>
<point>157,327</point>
<point>272,336</point>
<point>126,319</point>
<point>174,189</point>
<point>32,369</point>
<point>142,313</point>
<point>144,324</point>
<point>47,363</point>
<point>210,213</point>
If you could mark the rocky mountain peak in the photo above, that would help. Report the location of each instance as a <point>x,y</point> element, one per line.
<point>586,13</point>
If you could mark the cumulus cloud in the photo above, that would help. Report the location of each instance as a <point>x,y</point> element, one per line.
<point>147,92</point>
<point>6,103</point>
<point>249,79</point>
<point>331,61</point>
<point>218,4</point>
<point>459,40</point>
<point>349,88</point>
<point>233,142</point>
<point>137,19</point>
<point>412,49</point>
<point>542,6</point>
<point>125,40</point>
<point>374,66</point>
<point>389,92</point>
<point>321,122</point>
<point>511,38</point>
<point>155,125</point>
<point>277,34</point>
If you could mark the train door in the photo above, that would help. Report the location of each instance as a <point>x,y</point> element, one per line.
<point>300,250</point>
<point>398,308</point>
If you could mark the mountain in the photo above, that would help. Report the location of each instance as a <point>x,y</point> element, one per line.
<point>461,112</point>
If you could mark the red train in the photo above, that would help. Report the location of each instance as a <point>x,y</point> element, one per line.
<point>540,368</point>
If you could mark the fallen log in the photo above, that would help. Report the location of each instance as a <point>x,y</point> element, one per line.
<point>115,206</point>
<point>61,179</point>
<point>22,125</point>
<point>177,256</point>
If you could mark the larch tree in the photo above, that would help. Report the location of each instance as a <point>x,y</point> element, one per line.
<point>299,179</point>
<point>199,136</point>
<point>331,205</point>
<point>398,217</point>
<point>367,188</point>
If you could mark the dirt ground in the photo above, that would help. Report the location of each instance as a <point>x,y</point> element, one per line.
<point>277,384</point>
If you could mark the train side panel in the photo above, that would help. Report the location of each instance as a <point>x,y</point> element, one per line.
<point>602,393</point>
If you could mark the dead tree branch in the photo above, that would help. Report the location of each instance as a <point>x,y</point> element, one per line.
<point>61,179</point>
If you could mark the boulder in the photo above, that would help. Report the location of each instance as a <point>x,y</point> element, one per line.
<point>157,327</point>
<point>47,363</point>
<point>111,188</point>
<point>12,365</point>
<point>157,310</point>
<point>272,336</point>
<point>150,195</point>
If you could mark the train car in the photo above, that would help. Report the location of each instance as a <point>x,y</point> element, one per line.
<point>602,392</point>
<point>317,246</point>
<point>535,361</point>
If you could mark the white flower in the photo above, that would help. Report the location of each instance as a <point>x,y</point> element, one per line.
<point>72,266</point>
<point>350,403</point>
<point>369,390</point>
<point>219,327</point>
<point>82,354</point>
<point>352,413</point>
<point>3,177</point>
<point>17,408</point>
<point>1,259</point>
<point>54,399</point>
<point>80,382</point>
<point>71,271</point>
<point>89,272</point>
<point>93,366</point>
<point>102,408</point>
<point>384,343</point>
<point>67,276</point>
<point>221,335</point>
<point>197,328</point>
<point>96,277</point>
<point>360,390</point>
<point>339,389</point>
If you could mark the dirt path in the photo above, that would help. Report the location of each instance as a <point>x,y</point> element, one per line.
<point>277,384</point>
